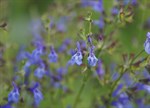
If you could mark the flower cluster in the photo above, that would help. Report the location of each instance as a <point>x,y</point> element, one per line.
<point>78,56</point>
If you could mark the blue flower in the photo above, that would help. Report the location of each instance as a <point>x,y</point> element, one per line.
<point>37,53</point>
<point>100,23</point>
<point>35,56</point>
<point>38,96</point>
<point>114,11</point>
<point>134,2</point>
<point>53,56</point>
<point>89,40</point>
<point>86,3</point>
<point>98,6</point>
<point>141,103</point>
<point>26,67</point>
<point>64,45</point>
<point>14,94</point>
<point>114,74</point>
<point>117,104</point>
<point>99,70</point>
<point>146,87</point>
<point>148,35</point>
<point>143,87</point>
<point>147,43</point>
<point>121,98</point>
<point>62,24</point>
<point>21,54</point>
<point>116,92</point>
<point>77,57</point>
<point>71,52</point>
<point>83,45</point>
<point>39,72</point>
<point>92,60</point>
<point>8,105</point>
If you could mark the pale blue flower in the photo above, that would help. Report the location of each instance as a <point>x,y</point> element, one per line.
<point>92,60</point>
<point>147,43</point>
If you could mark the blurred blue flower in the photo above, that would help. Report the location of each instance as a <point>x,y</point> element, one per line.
<point>83,44</point>
<point>27,65</point>
<point>71,52</point>
<point>117,104</point>
<point>145,74</point>
<point>99,70</point>
<point>8,105</point>
<point>21,54</point>
<point>92,60</point>
<point>40,71</point>
<point>61,27</point>
<point>117,91</point>
<point>148,35</point>
<point>14,94</point>
<point>141,86</point>
<point>39,51</point>
<point>53,57</point>
<point>100,23</point>
<point>146,87</point>
<point>61,70</point>
<point>114,11</point>
<point>141,103</point>
<point>38,96</point>
<point>147,43</point>
<point>120,105</point>
<point>56,78</point>
<point>89,40</point>
<point>96,5</point>
<point>37,28</point>
<point>64,45</point>
<point>35,56</point>
<point>77,57</point>
<point>127,80</point>
<point>61,24</point>
<point>121,98</point>
<point>86,3</point>
<point>134,2</point>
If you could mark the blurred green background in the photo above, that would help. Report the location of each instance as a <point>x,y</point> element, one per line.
<point>15,21</point>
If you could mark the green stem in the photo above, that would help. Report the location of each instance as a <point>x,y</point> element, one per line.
<point>136,56</point>
<point>90,26</point>
<point>81,89</point>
